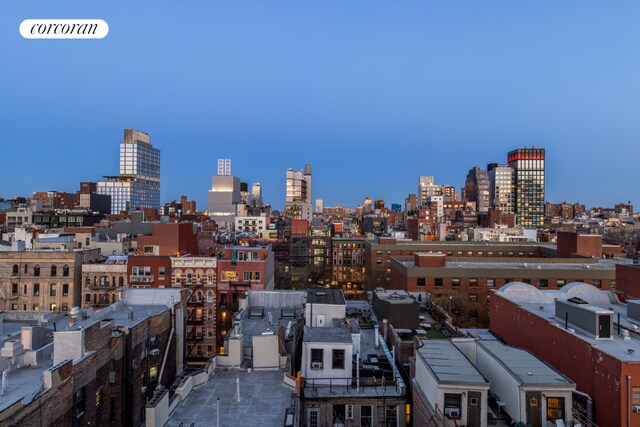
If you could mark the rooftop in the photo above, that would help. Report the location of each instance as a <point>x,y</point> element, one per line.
<point>325,296</point>
<point>448,364</point>
<point>542,304</point>
<point>521,264</point>
<point>329,335</point>
<point>523,366</point>
<point>263,397</point>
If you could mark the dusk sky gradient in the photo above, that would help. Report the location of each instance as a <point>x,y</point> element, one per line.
<point>371,94</point>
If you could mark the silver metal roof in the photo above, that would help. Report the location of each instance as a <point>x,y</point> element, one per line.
<point>448,364</point>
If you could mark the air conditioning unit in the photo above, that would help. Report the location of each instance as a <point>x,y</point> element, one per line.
<point>154,352</point>
<point>452,412</point>
<point>316,365</point>
<point>143,389</point>
<point>636,409</point>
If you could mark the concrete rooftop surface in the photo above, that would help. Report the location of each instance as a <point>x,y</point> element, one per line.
<point>263,400</point>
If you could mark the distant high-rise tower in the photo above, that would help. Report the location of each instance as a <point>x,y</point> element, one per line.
<point>319,205</point>
<point>477,189</point>
<point>298,196</point>
<point>528,170</point>
<point>138,185</point>
<point>224,167</point>
<point>256,194</point>
<point>501,187</point>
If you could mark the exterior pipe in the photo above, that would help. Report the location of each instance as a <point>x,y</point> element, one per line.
<point>628,400</point>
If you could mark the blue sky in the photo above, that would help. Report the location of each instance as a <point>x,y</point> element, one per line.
<point>372,94</point>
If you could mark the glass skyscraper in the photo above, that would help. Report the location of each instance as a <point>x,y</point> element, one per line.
<point>528,176</point>
<point>138,185</point>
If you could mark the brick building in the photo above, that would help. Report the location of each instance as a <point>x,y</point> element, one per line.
<point>378,254</point>
<point>199,276</point>
<point>170,239</point>
<point>347,264</point>
<point>43,280</point>
<point>149,271</point>
<point>105,368</point>
<point>462,286</point>
<point>599,356</point>
<point>103,280</point>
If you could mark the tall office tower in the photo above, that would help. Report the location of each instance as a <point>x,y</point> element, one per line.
<point>225,193</point>
<point>224,167</point>
<point>256,194</point>
<point>501,187</point>
<point>477,189</point>
<point>138,185</point>
<point>450,194</point>
<point>298,197</point>
<point>528,171</point>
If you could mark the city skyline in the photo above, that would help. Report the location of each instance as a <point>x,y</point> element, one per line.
<point>418,89</point>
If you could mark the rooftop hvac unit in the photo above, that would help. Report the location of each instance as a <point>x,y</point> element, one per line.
<point>452,412</point>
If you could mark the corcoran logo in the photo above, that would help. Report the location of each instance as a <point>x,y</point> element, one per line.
<point>64,29</point>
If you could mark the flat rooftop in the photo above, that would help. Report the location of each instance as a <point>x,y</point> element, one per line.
<point>263,400</point>
<point>325,296</point>
<point>525,367</point>
<point>24,383</point>
<point>448,364</point>
<point>328,335</point>
<point>542,304</point>
<point>520,264</point>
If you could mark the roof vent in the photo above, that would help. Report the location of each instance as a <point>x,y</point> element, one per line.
<point>541,307</point>
<point>631,350</point>
<point>577,300</point>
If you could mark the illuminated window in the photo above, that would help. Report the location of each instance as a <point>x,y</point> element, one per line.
<point>229,275</point>
<point>555,408</point>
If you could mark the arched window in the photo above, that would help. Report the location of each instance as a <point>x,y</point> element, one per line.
<point>198,296</point>
<point>54,271</point>
<point>36,270</point>
<point>209,296</point>
<point>16,269</point>
<point>121,281</point>
<point>88,281</point>
<point>65,270</point>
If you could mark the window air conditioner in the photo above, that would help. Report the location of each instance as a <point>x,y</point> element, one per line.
<point>452,412</point>
<point>155,352</point>
<point>636,409</point>
<point>316,365</point>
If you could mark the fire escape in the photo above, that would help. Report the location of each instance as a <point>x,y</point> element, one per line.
<point>195,318</point>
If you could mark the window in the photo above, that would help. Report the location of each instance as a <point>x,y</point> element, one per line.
<point>613,284</point>
<point>153,374</point>
<point>421,281</point>
<point>251,276</point>
<point>555,408</point>
<point>99,397</point>
<point>500,253</point>
<point>521,253</point>
<point>337,361</point>
<point>473,297</point>
<point>544,283</point>
<point>25,291</point>
<point>79,403</point>
<point>455,282</point>
<point>54,271</point>
<point>65,290</point>
<point>36,270</point>
<point>349,412</point>
<point>480,253</point>
<point>87,299</point>
<point>229,275</point>
<point>317,355</point>
<point>15,270</point>
<point>391,415</point>
<point>366,416</point>
<point>437,282</point>
<point>635,396</point>
<point>154,342</point>
<point>162,272</point>
<point>491,283</point>
<point>597,283</point>
<point>65,270</point>
<point>14,289</point>
<point>490,253</point>
<point>469,253</point>
<point>14,306</point>
<point>52,290</point>
<point>379,261</point>
<point>473,282</point>
<point>148,249</point>
<point>314,417</point>
<point>121,281</point>
<point>560,283</point>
